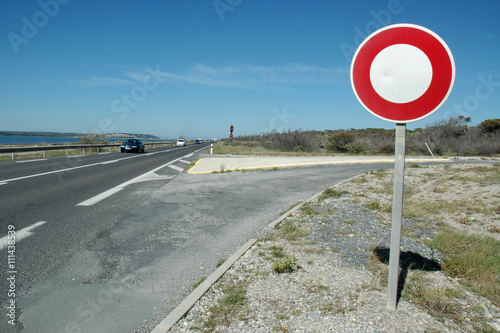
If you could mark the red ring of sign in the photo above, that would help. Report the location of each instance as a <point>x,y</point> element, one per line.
<point>443,69</point>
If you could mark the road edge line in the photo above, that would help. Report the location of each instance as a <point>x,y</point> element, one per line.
<point>166,324</point>
<point>20,234</point>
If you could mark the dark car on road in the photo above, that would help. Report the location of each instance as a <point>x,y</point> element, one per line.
<point>132,145</point>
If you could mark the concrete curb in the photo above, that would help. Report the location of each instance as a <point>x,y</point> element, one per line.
<point>166,324</point>
<point>296,165</point>
<point>174,316</point>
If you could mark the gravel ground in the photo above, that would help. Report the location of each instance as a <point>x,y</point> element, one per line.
<point>338,283</point>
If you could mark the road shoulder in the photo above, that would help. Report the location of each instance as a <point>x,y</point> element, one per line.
<point>224,163</point>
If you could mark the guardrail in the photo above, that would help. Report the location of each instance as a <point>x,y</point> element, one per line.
<point>14,150</point>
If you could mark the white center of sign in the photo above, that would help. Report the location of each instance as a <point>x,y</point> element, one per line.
<point>401,73</point>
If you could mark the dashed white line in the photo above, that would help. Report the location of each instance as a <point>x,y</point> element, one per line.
<point>110,192</point>
<point>27,161</point>
<point>20,234</point>
<point>99,197</point>
<point>175,167</point>
<point>109,162</point>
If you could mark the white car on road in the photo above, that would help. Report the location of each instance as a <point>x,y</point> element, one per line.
<point>181,143</point>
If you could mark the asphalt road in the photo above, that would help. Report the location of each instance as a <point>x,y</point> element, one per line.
<point>124,261</point>
<point>48,192</point>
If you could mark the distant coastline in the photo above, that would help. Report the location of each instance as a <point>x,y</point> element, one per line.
<point>78,135</point>
<point>36,138</point>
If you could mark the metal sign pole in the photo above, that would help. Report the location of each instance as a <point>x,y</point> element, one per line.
<point>383,81</point>
<point>397,216</point>
<point>231,129</point>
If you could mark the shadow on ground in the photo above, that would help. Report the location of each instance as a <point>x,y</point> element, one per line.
<point>407,260</point>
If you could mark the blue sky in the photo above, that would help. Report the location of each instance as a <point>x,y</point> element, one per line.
<point>193,68</point>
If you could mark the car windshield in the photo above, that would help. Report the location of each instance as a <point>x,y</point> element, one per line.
<point>132,141</point>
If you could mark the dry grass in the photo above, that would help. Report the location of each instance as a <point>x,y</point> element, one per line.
<point>464,196</point>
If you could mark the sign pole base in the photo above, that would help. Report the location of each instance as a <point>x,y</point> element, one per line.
<point>397,217</point>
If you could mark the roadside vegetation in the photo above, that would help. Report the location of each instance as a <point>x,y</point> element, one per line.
<point>460,293</point>
<point>461,203</point>
<point>451,137</point>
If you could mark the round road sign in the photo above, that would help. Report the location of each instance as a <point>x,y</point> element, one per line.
<point>402,73</point>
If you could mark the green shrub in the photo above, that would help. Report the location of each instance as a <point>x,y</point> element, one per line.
<point>331,193</point>
<point>337,142</point>
<point>490,125</point>
<point>285,265</point>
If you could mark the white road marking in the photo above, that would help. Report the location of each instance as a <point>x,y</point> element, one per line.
<point>155,176</point>
<point>110,192</point>
<point>73,156</point>
<point>183,161</point>
<point>48,173</point>
<point>175,167</point>
<point>99,197</point>
<point>5,181</point>
<point>27,161</point>
<point>20,234</point>
<point>109,162</point>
